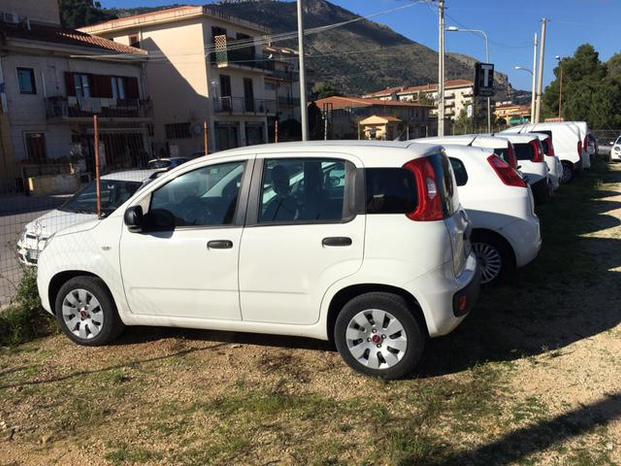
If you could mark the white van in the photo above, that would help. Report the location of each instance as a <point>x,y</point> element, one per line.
<point>362,243</point>
<point>567,144</point>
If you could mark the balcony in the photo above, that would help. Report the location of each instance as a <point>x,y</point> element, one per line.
<point>243,58</point>
<point>73,108</point>
<point>244,106</point>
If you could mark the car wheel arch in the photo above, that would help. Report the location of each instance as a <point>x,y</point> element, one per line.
<point>61,278</point>
<point>344,295</point>
<point>482,232</point>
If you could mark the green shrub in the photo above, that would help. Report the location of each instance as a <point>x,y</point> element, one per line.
<point>25,318</point>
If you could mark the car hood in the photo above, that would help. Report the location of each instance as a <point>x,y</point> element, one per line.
<point>56,220</point>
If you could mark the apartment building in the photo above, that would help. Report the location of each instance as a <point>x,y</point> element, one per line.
<point>346,114</point>
<point>458,96</point>
<point>282,85</point>
<point>512,114</point>
<point>204,66</point>
<point>52,82</point>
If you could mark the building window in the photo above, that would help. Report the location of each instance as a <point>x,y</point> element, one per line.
<point>26,79</point>
<point>118,88</point>
<point>178,131</point>
<point>35,147</point>
<point>134,41</point>
<point>82,85</point>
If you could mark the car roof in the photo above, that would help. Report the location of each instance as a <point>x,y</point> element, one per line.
<point>356,148</point>
<point>130,175</point>
<point>540,136</point>
<point>520,138</point>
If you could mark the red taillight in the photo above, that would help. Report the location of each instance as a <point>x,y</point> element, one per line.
<point>429,197</point>
<point>586,144</point>
<point>512,158</point>
<point>505,172</point>
<point>551,148</point>
<point>579,148</point>
<point>537,151</point>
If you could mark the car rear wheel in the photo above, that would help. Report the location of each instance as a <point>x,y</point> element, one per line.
<point>378,334</point>
<point>86,312</point>
<point>493,256</point>
<point>568,173</point>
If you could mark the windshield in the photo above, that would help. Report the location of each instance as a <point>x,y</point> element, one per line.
<point>113,194</point>
<point>524,151</point>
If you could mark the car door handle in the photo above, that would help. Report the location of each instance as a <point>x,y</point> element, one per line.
<point>336,241</point>
<point>220,244</point>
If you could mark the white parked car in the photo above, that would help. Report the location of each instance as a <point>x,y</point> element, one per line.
<point>500,205</point>
<point>566,140</point>
<point>555,167</point>
<point>615,151</point>
<point>499,145</point>
<point>364,243</point>
<point>531,162</point>
<point>116,188</point>
<point>588,148</point>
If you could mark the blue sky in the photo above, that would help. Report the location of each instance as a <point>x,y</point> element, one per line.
<point>509,24</point>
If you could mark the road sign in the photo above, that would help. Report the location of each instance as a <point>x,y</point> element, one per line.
<point>484,79</point>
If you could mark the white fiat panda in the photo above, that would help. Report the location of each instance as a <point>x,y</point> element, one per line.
<point>363,243</point>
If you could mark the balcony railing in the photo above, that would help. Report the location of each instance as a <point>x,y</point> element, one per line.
<point>73,107</point>
<point>242,105</point>
<point>284,101</point>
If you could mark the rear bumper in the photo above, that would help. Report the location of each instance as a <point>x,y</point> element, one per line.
<point>438,293</point>
<point>525,239</point>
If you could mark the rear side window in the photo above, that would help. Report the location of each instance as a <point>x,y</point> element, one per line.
<point>524,151</point>
<point>461,175</point>
<point>390,191</point>
<point>502,152</point>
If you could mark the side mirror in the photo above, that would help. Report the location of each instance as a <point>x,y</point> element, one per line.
<point>134,218</point>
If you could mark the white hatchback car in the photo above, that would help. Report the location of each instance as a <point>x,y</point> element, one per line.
<point>116,188</point>
<point>531,162</point>
<point>499,203</point>
<point>363,243</point>
<point>555,167</point>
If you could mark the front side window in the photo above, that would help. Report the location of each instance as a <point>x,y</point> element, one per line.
<point>26,79</point>
<point>113,194</point>
<point>204,197</point>
<point>304,190</point>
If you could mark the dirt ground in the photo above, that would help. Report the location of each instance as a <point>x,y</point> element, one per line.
<point>533,376</point>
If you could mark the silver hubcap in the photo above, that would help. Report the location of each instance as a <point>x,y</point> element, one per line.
<point>376,339</point>
<point>489,260</point>
<point>82,314</point>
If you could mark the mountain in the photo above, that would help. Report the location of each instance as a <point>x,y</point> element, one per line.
<point>356,58</point>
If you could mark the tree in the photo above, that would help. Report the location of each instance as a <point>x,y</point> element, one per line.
<point>79,13</point>
<point>324,90</point>
<point>591,89</point>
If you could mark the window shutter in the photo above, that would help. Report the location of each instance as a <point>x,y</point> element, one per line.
<point>69,84</point>
<point>132,88</point>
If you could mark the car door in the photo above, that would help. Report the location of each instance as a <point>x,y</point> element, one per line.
<point>303,234</point>
<point>184,263</point>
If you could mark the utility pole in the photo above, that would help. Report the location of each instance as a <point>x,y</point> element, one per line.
<point>560,92</point>
<point>533,101</point>
<point>303,105</point>
<point>542,56</point>
<point>441,53</point>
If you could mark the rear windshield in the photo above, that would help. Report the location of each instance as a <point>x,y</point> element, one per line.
<point>524,151</point>
<point>390,191</point>
<point>503,153</point>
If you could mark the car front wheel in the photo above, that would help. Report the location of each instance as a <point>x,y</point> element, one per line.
<point>86,312</point>
<point>378,334</point>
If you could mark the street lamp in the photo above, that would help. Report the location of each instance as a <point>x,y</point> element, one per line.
<point>559,59</point>
<point>534,91</point>
<point>484,35</point>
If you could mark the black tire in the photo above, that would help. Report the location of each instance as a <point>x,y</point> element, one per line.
<point>396,306</point>
<point>568,173</point>
<point>110,326</point>
<point>483,241</point>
